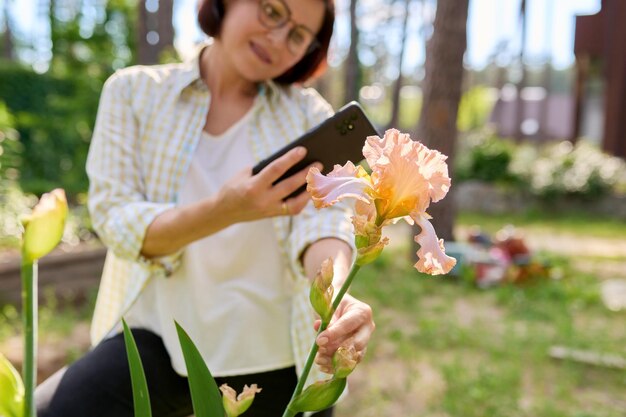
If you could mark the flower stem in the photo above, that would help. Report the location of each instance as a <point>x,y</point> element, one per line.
<point>29,316</point>
<point>309,361</point>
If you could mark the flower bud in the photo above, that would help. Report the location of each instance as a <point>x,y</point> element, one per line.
<point>237,406</point>
<point>43,229</point>
<point>367,233</point>
<point>345,360</point>
<point>11,390</point>
<point>321,294</point>
<point>319,395</point>
<point>368,254</point>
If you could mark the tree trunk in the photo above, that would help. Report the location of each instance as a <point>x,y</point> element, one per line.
<point>165,25</point>
<point>395,98</point>
<point>520,113</point>
<point>7,50</point>
<point>155,31</point>
<point>353,71</point>
<point>441,95</point>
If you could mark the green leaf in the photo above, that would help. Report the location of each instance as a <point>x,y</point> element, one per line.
<point>141,397</point>
<point>205,396</point>
<point>11,390</point>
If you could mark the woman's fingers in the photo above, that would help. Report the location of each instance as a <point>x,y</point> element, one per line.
<point>288,185</point>
<point>296,204</point>
<point>352,325</point>
<point>354,322</point>
<point>277,168</point>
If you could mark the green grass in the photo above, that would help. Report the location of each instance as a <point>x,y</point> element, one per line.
<point>486,351</point>
<point>574,223</point>
<point>444,348</point>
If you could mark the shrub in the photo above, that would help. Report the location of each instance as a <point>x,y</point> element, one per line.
<point>485,157</point>
<point>564,169</point>
<point>547,171</point>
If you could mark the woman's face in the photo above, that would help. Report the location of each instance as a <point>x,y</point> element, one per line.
<point>259,53</point>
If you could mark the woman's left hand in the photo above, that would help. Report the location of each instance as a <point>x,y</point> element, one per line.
<point>352,324</point>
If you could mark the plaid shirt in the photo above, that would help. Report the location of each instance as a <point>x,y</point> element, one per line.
<point>149,122</point>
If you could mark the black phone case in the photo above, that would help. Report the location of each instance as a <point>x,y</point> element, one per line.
<point>334,141</point>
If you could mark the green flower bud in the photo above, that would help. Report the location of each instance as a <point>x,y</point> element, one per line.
<point>366,255</point>
<point>237,406</point>
<point>321,294</point>
<point>319,395</point>
<point>345,360</point>
<point>11,390</point>
<point>43,229</point>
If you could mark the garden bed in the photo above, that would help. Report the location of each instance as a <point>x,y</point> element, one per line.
<point>482,197</point>
<point>69,274</point>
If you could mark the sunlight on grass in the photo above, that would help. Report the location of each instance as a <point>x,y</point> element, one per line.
<point>446,348</point>
<point>485,350</point>
<point>572,223</point>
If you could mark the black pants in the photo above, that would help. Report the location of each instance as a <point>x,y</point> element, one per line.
<point>98,384</point>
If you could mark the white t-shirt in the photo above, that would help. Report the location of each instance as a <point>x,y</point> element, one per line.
<point>232,293</point>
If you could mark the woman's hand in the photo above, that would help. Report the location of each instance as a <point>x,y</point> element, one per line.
<point>251,197</point>
<point>352,324</point>
<point>243,198</point>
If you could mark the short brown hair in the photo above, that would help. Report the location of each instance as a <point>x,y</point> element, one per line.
<point>211,13</point>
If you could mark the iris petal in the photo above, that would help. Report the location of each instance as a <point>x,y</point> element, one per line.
<point>343,181</point>
<point>435,170</point>
<point>431,255</point>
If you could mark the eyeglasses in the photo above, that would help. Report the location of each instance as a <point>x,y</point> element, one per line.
<point>274,14</point>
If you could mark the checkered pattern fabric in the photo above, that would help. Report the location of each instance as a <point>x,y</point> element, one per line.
<point>149,122</point>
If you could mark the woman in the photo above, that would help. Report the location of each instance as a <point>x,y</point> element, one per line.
<point>194,237</point>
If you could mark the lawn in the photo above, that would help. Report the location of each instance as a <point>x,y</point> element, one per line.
<point>446,348</point>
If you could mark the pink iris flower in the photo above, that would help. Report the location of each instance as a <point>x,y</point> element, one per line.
<point>405,177</point>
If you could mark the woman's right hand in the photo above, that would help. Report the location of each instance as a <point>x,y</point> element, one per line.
<point>248,197</point>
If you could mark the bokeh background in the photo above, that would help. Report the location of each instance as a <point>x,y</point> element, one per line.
<point>527,99</point>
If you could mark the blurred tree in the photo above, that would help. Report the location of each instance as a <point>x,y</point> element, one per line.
<point>7,36</point>
<point>352,66</point>
<point>521,84</point>
<point>397,85</point>
<point>155,34</point>
<point>437,126</point>
<point>54,112</point>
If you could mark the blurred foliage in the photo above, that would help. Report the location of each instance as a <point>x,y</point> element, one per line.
<point>10,145</point>
<point>548,171</point>
<point>486,157</point>
<point>54,112</point>
<point>475,108</point>
<point>558,169</point>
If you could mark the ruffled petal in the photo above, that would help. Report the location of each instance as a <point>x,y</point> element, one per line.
<point>431,255</point>
<point>397,177</point>
<point>434,169</point>
<point>343,181</point>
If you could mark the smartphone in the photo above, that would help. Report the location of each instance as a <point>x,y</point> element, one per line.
<point>338,139</point>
